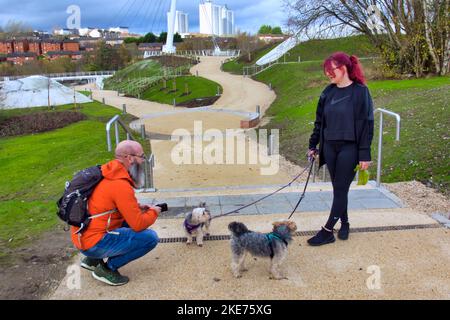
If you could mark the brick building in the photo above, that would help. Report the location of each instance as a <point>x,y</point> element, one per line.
<point>51,45</point>
<point>74,55</point>
<point>21,45</point>
<point>20,58</point>
<point>6,46</point>
<point>70,45</point>
<point>35,46</point>
<point>150,46</point>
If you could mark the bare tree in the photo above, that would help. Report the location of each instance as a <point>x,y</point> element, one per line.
<point>248,44</point>
<point>412,35</point>
<point>16,28</point>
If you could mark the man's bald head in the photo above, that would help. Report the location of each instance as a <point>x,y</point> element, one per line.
<point>127,147</point>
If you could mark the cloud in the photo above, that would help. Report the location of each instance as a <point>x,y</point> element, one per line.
<point>140,15</point>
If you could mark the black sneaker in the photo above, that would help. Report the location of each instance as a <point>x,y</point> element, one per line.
<point>113,278</point>
<point>90,263</point>
<point>344,231</point>
<point>322,237</point>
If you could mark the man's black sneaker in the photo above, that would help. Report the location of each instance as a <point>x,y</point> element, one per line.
<point>90,263</point>
<point>344,231</point>
<point>322,237</point>
<point>113,278</point>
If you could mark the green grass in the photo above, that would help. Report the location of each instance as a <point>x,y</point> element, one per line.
<point>313,50</point>
<point>138,77</point>
<point>144,68</point>
<point>422,152</point>
<point>86,93</point>
<point>235,66</point>
<point>198,88</point>
<point>35,167</point>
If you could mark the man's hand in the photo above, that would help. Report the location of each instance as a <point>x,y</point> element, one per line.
<point>364,165</point>
<point>156,208</point>
<point>144,207</point>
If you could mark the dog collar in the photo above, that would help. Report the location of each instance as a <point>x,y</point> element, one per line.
<point>272,235</point>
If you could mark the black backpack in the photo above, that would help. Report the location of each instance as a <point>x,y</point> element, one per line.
<point>72,206</point>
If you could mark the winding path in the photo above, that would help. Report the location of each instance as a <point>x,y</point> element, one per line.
<point>238,101</point>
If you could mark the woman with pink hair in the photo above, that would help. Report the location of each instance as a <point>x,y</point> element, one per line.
<point>344,131</point>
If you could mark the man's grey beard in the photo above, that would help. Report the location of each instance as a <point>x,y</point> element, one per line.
<point>137,173</point>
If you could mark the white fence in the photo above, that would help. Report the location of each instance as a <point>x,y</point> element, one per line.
<point>195,53</point>
<point>69,75</point>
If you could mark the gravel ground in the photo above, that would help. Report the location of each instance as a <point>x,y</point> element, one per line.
<point>420,197</point>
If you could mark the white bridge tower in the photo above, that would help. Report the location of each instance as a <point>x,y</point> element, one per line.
<point>169,47</point>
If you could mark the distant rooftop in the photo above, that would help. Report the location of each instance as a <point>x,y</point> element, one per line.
<point>21,54</point>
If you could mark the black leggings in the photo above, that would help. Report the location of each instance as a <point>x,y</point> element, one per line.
<point>341,159</point>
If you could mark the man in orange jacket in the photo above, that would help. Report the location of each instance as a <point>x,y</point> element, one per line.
<point>121,236</point>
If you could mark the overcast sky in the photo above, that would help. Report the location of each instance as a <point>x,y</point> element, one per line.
<point>139,15</point>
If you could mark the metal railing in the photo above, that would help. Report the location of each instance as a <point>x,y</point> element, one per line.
<point>255,69</point>
<point>380,146</point>
<point>194,53</point>
<point>149,163</point>
<point>116,121</point>
<point>380,138</point>
<point>61,75</point>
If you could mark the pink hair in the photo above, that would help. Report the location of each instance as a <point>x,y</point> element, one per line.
<point>354,68</point>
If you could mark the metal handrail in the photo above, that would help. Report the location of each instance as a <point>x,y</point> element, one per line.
<point>60,75</point>
<point>380,144</point>
<point>116,121</point>
<point>149,165</point>
<point>380,138</point>
<point>149,162</point>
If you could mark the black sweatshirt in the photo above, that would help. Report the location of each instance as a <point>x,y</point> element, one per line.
<point>350,120</point>
<point>338,115</point>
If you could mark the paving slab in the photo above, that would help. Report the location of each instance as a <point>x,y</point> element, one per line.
<point>277,203</point>
<point>411,264</point>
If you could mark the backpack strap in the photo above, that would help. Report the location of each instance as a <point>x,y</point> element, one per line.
<point>109,212</point>
<point>98,215</point>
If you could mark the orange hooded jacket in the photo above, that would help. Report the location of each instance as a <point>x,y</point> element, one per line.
<point>115,191</point>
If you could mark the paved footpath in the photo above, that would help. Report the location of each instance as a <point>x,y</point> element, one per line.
<point>408,250</point>
<point>393,252</point>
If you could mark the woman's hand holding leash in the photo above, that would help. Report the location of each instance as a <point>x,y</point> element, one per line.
<point>312,153</point>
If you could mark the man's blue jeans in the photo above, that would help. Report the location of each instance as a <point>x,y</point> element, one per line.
<point>123,247</point>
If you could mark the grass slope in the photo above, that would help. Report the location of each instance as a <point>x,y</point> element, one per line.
<point>312,50</point>
<point>198,88</point>
<point>422,152</point>
<point>35,168</point>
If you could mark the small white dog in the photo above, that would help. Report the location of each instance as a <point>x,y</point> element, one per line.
<point>197,224</point>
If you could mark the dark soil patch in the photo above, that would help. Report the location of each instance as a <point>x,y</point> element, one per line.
<point>38,122</point>
<point>200,102</point>
<point>36,271</point>
<point>174,61</point>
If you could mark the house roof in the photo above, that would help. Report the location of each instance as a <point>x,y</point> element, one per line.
<point>21,54</point>
<point>150,44</point>
<point>63,53</point>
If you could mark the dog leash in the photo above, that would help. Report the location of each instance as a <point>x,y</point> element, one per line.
<point>271,194</point>
<point>304,189</point>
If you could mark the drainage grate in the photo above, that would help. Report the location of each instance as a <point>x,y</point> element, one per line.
<point>312,233</point>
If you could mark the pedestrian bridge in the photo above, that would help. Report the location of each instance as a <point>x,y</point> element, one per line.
<point>91,77</point>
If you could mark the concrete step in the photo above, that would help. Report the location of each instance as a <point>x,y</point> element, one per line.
<point>225,201</point>
<point>247,189</point>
